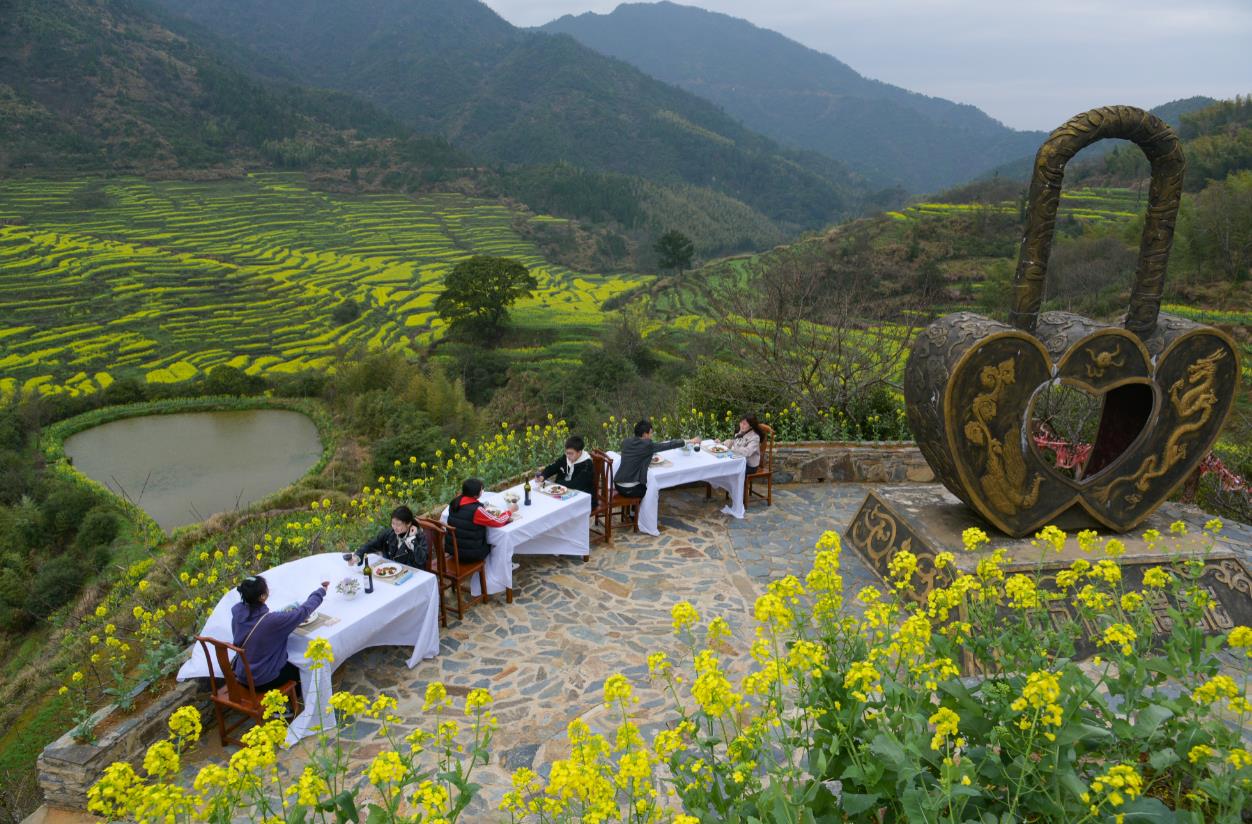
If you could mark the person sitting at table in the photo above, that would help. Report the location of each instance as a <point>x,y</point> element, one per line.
<point>747,442</point>
<point>631,477</point>
<point>573,469</point>
<point>470,520</point>
<point>403,542</point>
<point>262,633</point>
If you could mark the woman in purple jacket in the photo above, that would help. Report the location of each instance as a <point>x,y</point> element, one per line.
<point>263,634</point>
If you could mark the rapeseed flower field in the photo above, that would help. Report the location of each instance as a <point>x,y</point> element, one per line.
<point>163,280</point>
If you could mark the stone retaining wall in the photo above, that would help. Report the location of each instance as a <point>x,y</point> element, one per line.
<point>853,462</point>
<point>67,768</point>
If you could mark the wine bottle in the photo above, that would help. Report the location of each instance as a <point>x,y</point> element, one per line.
<point>369,576</point>
<point>526,493</point>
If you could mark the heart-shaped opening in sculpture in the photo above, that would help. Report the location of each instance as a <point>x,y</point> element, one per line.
<point>1079,434</point>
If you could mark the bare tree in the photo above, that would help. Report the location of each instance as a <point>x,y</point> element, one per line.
<point>808,333</point>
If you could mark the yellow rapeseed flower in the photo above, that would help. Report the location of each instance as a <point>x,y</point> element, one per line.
<point>684,616</point>
<point>945,722</point>
<point>973,538</point>
<point>1120,635</point>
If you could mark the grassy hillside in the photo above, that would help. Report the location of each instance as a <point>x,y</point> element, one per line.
<point>164,280</point>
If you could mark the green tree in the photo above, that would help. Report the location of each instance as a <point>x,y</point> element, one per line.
<point>479,291</point>
<point>674,251</point>
<point>1217,229</point>
<point>345,312</point>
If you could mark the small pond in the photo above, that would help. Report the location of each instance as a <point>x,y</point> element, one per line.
<point>185,467</point>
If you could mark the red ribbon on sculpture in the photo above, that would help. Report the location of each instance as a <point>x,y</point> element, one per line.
<point>1074,456</point>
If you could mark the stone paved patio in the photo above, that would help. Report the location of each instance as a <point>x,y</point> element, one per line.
<point>572,624</point>
<point>545,657</point>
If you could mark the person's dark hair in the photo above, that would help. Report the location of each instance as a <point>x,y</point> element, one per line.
<point>643,427</point>
<point>575,442</point>
<point>252,589</point>
<point>402,513</point>
<point>756,426</point>
<point>471,488</point>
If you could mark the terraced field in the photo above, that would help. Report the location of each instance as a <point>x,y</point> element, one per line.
<point>1086,205</point>
<point>165,280</point>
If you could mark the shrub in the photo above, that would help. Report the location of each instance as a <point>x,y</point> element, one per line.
<point>227,380</point>
<point>15,476</point>
<point>346,312</point>
<point>53,586</point>
<point>64,509</point>
<point>98,529</point>
<point>299,385</point>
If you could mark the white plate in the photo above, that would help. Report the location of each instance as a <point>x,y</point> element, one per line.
<point>392,571</point>
<point>557,489</point>
<point>656,459</point>
<point>313,616</point>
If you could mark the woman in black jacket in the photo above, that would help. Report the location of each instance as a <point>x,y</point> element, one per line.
<point>403,543</point>
<point>574,469</point>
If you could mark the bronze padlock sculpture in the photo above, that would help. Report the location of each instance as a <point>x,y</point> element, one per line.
<point>1167,383</point>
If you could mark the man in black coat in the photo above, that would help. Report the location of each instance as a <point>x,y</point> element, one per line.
<point>631,477</point>
<point>403,543</point>
<point>574,469</point>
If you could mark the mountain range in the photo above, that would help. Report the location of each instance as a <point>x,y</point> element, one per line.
<point>514,97</point>
<point>654,117</point>
<point>802,97</point>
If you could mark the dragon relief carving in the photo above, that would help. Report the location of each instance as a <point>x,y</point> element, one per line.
<point>1192,397</point>
<point>1004,479</point>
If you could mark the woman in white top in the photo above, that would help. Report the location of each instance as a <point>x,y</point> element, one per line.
<point>747,441</point>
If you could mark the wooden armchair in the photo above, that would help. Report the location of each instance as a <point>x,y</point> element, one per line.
<point>434,557</point>
<point>611,501</point>
<point>452,571</point>
<point>764,471</point>
<point>233,695</point>
<point>602,467</point>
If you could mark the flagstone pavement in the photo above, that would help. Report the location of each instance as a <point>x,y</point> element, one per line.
<point>545,657</point>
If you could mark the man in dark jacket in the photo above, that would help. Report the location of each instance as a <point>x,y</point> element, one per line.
<point>403,543</point>
<point>631,477</point>
<point>574,469</point>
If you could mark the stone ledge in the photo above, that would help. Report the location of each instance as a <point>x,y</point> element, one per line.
<point>879,462</point>
<point>68,768</point>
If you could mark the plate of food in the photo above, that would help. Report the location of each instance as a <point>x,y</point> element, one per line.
<point>494,511</point>
<point>718,449</point>
<point>656,459</point>
<point>556,489</point>
<point>386,571</point>
<point>313,616</point>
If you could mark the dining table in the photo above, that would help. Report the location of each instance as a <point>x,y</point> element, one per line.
<point>686,465</point>
<point>402,611</point>
<point>550,525</point>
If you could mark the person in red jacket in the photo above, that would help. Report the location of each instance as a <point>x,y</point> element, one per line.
<point>470,520</point>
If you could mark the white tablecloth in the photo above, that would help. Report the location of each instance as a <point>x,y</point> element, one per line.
<point>726,473</point>
<point>404,615</point>
<point>549,526</point>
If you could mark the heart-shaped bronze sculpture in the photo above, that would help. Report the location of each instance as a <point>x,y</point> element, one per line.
<point>1167,383</point>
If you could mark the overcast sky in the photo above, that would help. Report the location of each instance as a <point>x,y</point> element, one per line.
<point>1029,64</point>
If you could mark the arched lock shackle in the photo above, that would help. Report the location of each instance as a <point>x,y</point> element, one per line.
<point>1163,150</point>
